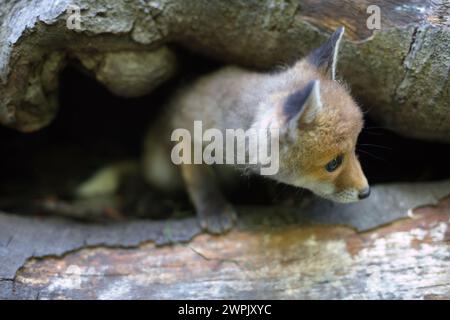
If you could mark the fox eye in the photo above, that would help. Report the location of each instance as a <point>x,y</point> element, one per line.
<point>334,164</point>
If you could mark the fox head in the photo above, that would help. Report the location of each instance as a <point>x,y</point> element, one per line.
<point>320,124</point>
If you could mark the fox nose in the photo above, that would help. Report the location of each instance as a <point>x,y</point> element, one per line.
<point>364,193</point>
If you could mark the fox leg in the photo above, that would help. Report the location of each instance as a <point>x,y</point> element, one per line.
<point>214,213</point>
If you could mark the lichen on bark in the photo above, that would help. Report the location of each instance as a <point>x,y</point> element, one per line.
<point>399,73</point>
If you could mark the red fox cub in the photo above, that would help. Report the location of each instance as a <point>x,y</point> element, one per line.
<point>317,124</point>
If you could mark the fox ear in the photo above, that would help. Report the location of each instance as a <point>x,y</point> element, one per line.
<point>304,105</point>
<point>325,57</point>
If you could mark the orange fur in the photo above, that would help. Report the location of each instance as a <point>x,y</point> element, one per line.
<point>334,131</point>
<point>327,126</point>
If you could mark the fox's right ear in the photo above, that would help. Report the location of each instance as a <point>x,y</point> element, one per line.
<point>324,58</point>
<point>303,105</point>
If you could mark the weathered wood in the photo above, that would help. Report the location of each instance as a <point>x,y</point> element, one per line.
<point>305,251</point>
<point>408,259</point>
<point>302,251</point>
<point>400,72</point>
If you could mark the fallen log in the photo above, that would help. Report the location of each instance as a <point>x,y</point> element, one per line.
<point>399,72</point>
<point>394,245</point>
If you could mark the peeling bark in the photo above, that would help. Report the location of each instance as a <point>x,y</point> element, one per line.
<point>400,73</point>
<point>405,260</point>
<point>378,248</point>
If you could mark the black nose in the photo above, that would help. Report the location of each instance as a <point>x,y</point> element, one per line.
<point>364,193</point>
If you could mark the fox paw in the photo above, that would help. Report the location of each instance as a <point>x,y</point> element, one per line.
<point>217,220</point>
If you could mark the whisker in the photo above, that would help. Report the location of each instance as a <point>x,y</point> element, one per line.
<point>373,133</point>
<point>373,156</point>
<point>367,110</point>
<point>376,127</point>
<point>375,145</point>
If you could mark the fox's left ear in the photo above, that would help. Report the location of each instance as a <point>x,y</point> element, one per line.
<point>303,106</point>
<point>325,57</point>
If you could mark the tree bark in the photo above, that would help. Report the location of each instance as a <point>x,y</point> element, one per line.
<point>400,73</point>
<point>380,248</point>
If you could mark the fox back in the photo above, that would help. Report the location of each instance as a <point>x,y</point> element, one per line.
<point>318,120</point>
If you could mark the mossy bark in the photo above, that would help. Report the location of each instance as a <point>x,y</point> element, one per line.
<point>400,73</point>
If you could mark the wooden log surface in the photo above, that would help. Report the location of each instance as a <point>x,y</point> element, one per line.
<point>395,245</point>
<point>409,259</point>
<point>384,247</point>
<point>399,72</point>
